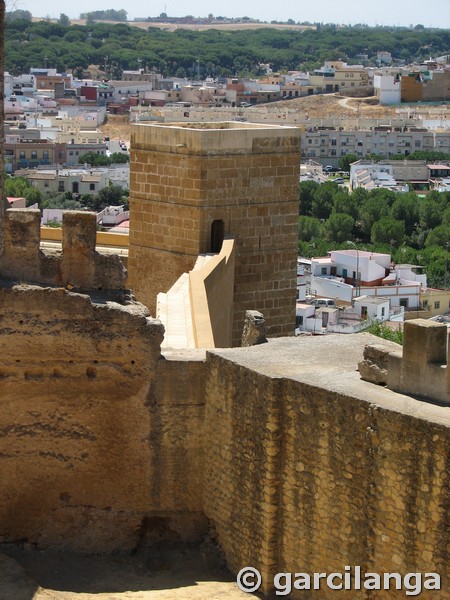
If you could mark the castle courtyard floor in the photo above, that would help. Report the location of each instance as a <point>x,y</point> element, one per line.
<point>163,574</point>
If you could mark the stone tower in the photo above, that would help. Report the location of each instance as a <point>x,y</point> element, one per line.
<point>193,183</point>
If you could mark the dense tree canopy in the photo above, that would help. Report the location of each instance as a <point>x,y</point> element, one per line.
<point>413,229</point>
<point>219,52</point>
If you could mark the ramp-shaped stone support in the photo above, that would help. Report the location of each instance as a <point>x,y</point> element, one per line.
<point>423,369</point>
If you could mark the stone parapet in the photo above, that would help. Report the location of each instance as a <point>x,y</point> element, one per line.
<point>423,369</point>
<point>215,138</point>
<point>78,266</point>
<point>74,422</point>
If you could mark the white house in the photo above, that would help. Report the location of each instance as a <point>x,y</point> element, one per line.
<point>377,309</point>
<point>348,274</point>
<point>387,88</point>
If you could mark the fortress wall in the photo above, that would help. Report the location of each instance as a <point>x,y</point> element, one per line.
<point>74,425</point>
<point>303,479</point>
<point>78,265</point>
<point>300,466</point>
<point>325,516</point>
<point>361,485</point>
<point>176,405</point>
<point>241,491</point>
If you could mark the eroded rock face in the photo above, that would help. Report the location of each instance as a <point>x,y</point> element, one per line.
<point>75,375</point>
<point>78,265</point>
<point>374,366</point>
<point>254,329</point>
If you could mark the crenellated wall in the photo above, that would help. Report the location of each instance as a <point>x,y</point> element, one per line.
<point>100,437</point>
<point>77,266</point>
<point>74,458</point>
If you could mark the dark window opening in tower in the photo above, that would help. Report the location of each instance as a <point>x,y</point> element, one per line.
<point>217,235</point>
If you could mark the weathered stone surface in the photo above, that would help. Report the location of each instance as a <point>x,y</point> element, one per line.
<point>74,421</point>
<point>254,329</point>
<point>420,368</point>
<point>299,465</point>
<point>374,366</point>
<point>78,266</point>
<point>183,178</point>
<point>310,468</point>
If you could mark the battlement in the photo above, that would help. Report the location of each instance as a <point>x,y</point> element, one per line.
<point>78,265</point>
<point>422,370</point>
<point>216,138</point>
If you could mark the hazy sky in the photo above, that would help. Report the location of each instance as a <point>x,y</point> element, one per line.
<point>431,13</point>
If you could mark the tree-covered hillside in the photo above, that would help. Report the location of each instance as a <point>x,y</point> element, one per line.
<point>122,46</point>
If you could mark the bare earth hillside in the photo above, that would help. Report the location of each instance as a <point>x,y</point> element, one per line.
<point>118,126</point>
<point>193,26</point>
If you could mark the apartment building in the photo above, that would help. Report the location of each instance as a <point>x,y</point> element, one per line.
<point>23,153</point>
<point>348,274</point>
<point>337,76</point>
<point>329,143</point>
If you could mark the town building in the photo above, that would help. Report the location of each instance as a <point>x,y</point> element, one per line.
<point>348,274</point>
<point>337,76</point>
<point>77,181</point>
<point>328,143</point>
<point>421,84</point>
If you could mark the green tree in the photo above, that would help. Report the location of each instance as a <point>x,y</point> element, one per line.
<point>17,15</point>
<point>119,158</point>
<point>434,259</point>
<point>439,236</point>
<point>371,211</point>
<point>113,195</point>
<point>94,159</point>
<point>309,228</point>
<point>431,209</point>
<point>388,231</point>
<point>322,203</point>
<point>345,203</point>
<point>307,191</point>
<point>338,228</point>
<point>34,196</point>
<point>344,162</point>
<point>64,20</point>
<point>406,208</point>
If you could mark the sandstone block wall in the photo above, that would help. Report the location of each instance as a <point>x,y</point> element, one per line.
<point>306,477</point>
<point>300,466</point>
<point>78,265</point>
<point>361,485</point>
<point>241,495</point>
<point>184,178</point>
<point>176,404</point>
<point>100,440</point>
<point>74,383</point>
